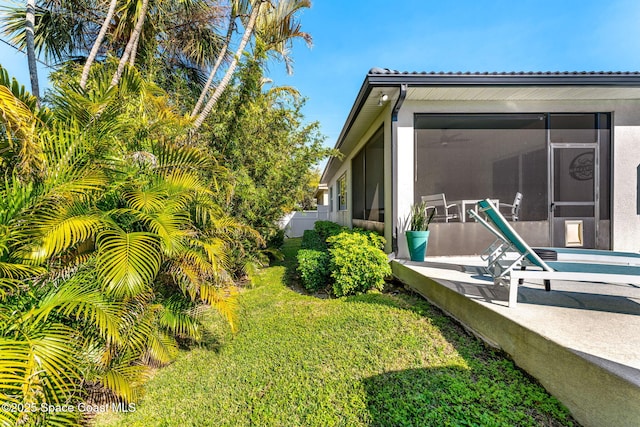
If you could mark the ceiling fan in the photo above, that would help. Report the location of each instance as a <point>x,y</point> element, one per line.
<point>447,138</point>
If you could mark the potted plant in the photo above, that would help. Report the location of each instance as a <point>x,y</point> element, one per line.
<point>417,231</point>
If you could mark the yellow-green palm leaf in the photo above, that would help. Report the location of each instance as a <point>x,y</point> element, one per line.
<point>62,228</point>
<point>84,302</point>
<point>146,201</point>
<point>127,262</point>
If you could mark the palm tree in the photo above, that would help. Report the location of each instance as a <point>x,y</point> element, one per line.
<point>238,7</point>
<point>132,46</point>
<point>232,66</point>
<point>31,52</point>
<point>122,248</point>
<point>97,43</point>
<point>276,27</point>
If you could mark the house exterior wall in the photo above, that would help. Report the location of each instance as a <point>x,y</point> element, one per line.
<point>625,218</point>
<point>625,230</point>
<point>345,217</point>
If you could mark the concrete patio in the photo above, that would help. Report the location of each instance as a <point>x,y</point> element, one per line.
<point>581,341</point>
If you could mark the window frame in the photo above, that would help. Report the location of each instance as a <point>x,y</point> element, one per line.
<point>341,183</point>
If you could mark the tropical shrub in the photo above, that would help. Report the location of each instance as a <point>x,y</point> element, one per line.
<point>110,244</point>
<point>311,240</point>
<point>327,229</point>
<point>267,147</point>
<point>313,266</point>
<point>357,264</point>
<point>374,238</point>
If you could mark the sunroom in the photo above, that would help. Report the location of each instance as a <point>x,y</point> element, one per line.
<point>566,144</point>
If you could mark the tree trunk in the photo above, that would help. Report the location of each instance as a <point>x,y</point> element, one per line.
<point>214,70</point>
<point>134,51</point>
<point>130,45</point>
<point>31,50</point>
<point>234,63</point>
<point>97,43</point>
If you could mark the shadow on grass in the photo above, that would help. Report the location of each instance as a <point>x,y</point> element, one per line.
<point>449,396</point>
<point>491,391</point>
<point>290,250</point>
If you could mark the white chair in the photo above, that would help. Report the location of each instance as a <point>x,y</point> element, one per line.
<point>444,211</point>
<point>512,270</point>
<point>514,209</point>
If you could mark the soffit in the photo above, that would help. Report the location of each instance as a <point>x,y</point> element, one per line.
<point>367,107</point>
<point>526,93</point>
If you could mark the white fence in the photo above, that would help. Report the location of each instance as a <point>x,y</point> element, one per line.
<point>295,223</point>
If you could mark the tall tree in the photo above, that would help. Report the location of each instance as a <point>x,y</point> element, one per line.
<point>266,145</point>
<point>233,13</point>
<point>130,50</point>
<point>30,24</point>
<point>97,43</point>
<point>248,31</point>
<point>280,27</point>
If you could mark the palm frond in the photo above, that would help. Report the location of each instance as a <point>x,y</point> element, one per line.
<point>179,182</point>
<point>125,380</point>
<point>84,302</point>
<point>161,347</point>
<point>223,300</point>
<point>150,200</point>
<point>20,124</point>
<point>172,156</point>
<point>15,197</point>
<point>39,363</point>
<point>60,229</point>
<point>216,251</point>
<point>18,90</point>
<point>127,262</point>
<point>179,320</point>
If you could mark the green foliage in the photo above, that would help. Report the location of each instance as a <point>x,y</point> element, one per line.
<point>357,264</point>
<point>266,146</point>
<point>375,239</point>
<point>418,219</point>
<point>313,267</point>
<point>110,245</point>
<point>327,229</point>
<point>311,240</point>
<point>369,360</point>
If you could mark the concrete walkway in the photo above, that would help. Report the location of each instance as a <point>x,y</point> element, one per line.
<point>581,340</point>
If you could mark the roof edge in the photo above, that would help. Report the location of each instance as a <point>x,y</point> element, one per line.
<point>386,76</point>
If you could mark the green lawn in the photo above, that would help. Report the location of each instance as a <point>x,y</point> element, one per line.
<point>375,359</point>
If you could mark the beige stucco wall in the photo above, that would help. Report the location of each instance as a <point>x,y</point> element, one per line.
<point>626,154</point>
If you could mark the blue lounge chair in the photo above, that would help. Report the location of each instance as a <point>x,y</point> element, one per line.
<point>527,264</point>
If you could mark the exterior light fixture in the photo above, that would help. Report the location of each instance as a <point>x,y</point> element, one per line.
<point>383,98</point>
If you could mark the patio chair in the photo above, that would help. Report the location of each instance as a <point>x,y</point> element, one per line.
<point>444,211</point>
<point>513,209</point>
<point>514,269</point>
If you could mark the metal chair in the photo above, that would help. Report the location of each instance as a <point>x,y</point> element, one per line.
<point>444,211</point>
<point>514,214</point>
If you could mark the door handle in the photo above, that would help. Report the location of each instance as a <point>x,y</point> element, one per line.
<point>552,207</point>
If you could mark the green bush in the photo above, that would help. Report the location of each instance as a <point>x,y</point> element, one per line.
<point>376,240</point>
<point>275,238</point>
<point>313,266</point>
<point>311,240</point>
<point>327,229</point>
<point>357,263</point>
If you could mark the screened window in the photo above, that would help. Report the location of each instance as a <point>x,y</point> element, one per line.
<point>477,156</point>
<point>342,193</point>
<point>331,199</point>
<point>367,174</point>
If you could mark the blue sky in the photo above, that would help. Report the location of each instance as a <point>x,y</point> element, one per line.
<point>351,36</point>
